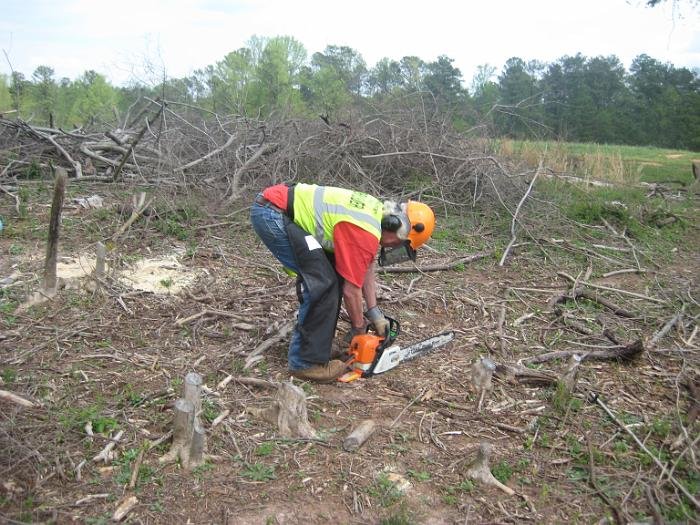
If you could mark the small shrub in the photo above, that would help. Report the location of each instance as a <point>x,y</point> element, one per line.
<point>209,410</point>
<point>259,472</point>
<point>502,471</point>
<point>421,475</point>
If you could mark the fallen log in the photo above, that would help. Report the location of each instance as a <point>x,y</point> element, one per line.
<point>622,353</point>
<point>359,435</point>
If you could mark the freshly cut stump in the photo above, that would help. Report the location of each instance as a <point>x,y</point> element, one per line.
<point>288,412</point>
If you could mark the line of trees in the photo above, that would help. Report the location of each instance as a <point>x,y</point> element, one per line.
<point>575,98</point>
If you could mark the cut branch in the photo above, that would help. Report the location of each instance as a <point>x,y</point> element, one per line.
<point>436,267</point>
<point>19,400</point>
<point>515,216</point>
<point>230,141</point>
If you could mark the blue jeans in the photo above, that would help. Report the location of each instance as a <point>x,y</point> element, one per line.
<point>269,224</point>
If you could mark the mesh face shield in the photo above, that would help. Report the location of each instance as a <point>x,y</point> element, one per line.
<point>398,254</point>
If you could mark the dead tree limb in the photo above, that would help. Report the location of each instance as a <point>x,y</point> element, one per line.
<point>515,216</point>
<point>189,165</point>
<point>118,170</point>
<point>596,298</point>
<point>255,355</point>
<point>124,507</point>
<point>105,454</point>
<point>436,267</point>
<point>138,211</point>
<point>527,376</point>
<point>666,328</point>
<point>76,165</point>
<point>359,435</point>
<point>91,154</point>
<point>19,400</point>
<point>623,353</point>
<point>609,289</point>
<point>237,175</point>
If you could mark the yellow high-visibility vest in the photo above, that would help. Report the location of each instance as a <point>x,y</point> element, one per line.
<point>317,209</point>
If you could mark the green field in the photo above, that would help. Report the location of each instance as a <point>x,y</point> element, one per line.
<point>617,164</point>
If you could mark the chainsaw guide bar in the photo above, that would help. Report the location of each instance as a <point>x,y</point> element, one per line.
<point>372,355</point>
<point>395,355</point>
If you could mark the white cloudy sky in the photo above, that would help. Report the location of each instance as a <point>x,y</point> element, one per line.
<point>117,38</point>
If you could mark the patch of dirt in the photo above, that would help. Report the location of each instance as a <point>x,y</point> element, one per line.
<point>116,358</point>
<point>158,275</point>
<point>162,275</point>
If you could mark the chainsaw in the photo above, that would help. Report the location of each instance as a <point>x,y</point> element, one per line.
<point>371,354</point>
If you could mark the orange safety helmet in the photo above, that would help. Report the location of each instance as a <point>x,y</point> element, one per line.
<point>422,221</point>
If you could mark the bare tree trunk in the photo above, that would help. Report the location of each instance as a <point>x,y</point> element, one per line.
<point>54,227</point>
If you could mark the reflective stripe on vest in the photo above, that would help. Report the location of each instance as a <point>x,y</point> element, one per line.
<point>317,209</point>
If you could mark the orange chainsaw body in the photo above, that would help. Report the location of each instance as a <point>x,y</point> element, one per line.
<point>363,350</point>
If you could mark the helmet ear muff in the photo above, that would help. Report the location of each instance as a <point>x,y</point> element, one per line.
<point>391,223</point>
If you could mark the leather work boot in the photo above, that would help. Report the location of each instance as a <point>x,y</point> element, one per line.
<point>321,373</point>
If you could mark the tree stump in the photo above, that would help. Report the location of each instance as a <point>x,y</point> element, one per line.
<point>189,437</point>
<point>288,412</point>
<point>480,469</point>
<point>482,372</point>
<point>570,377</point>
<point>192,391</point>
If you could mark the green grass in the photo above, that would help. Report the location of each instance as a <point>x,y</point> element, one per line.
<point>400,516</point>
<point>606,162</point>
<point>8,375</point>
<point>77,418</point>
<point>384,491</point>
<point>627,209</point>
<point>265,449</point>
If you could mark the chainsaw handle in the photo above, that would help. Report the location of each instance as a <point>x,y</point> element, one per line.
<point>393,332</point>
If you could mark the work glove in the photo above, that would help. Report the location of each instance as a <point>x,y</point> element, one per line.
<point>352,333</point>
<point>377,319</point>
